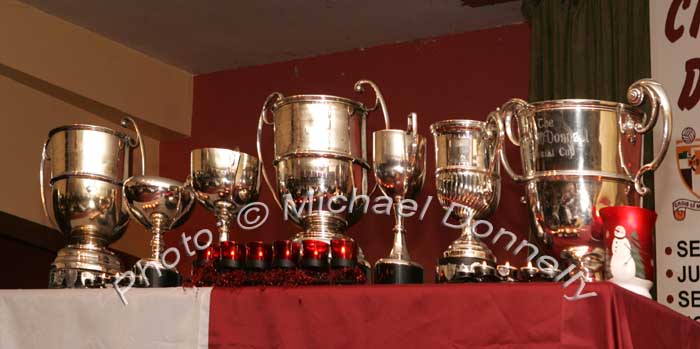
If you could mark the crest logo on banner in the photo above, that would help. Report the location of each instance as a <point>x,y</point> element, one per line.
<point>688,161</point>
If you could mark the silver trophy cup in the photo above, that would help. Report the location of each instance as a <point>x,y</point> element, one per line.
<point>320,155</point>
<point>224,181</point>
<point>399,169</point>
<point>81,174</point>
<point>469,186</point>
<point>160,205</point>
<point>579,156</point>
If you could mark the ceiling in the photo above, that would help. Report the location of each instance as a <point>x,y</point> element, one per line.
<point>209,35</point>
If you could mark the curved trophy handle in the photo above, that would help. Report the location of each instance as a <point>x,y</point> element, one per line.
<point>275,96</point>
<point>494,117</point>
<point>507,112</point>
<point>659,104</point>
<point>42,180</point>
<point>135,143</point>
<point>379,99</point>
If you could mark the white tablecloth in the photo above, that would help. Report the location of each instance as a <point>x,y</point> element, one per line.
<point>97,318</point>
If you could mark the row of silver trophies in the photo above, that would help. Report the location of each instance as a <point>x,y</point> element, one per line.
<point>578,156</point>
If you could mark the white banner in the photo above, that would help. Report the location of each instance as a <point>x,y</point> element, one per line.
<point>675,63</point>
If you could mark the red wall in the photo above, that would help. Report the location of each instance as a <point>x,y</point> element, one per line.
<point>457,76</point>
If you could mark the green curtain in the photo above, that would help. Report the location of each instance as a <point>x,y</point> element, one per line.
<point>587,48</point>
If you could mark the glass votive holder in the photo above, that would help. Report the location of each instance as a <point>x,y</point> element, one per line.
<point>343,253</point>
<point>314,254</point>
<point>549,274</point>
<point>529,273</point>
<point>283,254</point>
<point>233,256</point>
<point>484,273</point>
<point>258,255</point>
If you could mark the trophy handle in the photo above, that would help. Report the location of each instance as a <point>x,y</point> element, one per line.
<point>659,104</point>
<point>506,114</point>
<point>493,117</point>
<point>42,180</point>
<point>379,99</point>
<point>275,96</point>
<point>135,143</point>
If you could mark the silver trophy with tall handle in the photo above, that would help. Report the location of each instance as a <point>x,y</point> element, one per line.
<point>579,156</point>
<point>320,157</point>
<point>468,183</point>
<point>81,175</point>
<point>399,170</point>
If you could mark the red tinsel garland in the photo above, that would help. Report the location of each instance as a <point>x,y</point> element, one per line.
<point>207,275</point>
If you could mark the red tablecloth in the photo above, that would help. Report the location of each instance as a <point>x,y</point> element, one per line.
<point>444,316</point>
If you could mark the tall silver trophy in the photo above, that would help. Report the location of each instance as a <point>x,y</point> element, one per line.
<point>579,156</point>
<point>224,181</point>
<point>468,184</point>
<point>320,156</point>
<point>160,205</point>
<point>399,170</point>
<point>81,175</point>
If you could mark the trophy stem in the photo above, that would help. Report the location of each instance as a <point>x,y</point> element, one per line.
<point>467,235</point>
<point>223,216</point>
<point>399,249</point>
<point>157,238</point>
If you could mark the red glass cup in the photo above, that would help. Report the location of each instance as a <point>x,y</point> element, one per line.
<point>314,254</point>
<point>343,253</point>
<point>629,247</point>
<point>283,254</point>
<point>258,255</point>
<point>232,255</point>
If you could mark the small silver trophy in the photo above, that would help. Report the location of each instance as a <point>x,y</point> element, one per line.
<point>159,204</point>
<point>399,170</point>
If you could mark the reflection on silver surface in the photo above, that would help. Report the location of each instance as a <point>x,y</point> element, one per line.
<point>81,174</point>
<point>320,152</point>
<point>468,182</point>
<point>224,181</point>
<point>579,156</point>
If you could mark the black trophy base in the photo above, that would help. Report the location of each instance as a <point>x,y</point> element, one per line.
<point>167,278</point>
<point>461,269</point>
<point>390,273</point>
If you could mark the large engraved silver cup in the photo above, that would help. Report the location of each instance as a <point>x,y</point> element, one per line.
<point>81,174</point>
<point>579,156</point>
<point>399,170</point>
<point>160,205</point>
<point>224,181</point>
<point>468,183</point>
<point>320,156</point>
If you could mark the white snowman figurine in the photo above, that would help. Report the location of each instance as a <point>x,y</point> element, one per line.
<point>623,267</point>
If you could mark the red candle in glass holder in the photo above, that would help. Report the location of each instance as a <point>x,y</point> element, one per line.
<point>343,253</point>
<point>283,254</point>
<point>258,255</point>
<point>232,255</point>
<point>314,254</point>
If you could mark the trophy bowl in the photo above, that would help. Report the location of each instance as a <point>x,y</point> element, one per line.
<point>320,156</point>
<point>160,205</point>
<point>399,169</point>
<point>579,156</point>
<point>81,173</point>
<point>468,185</point>
<point>224,181</point>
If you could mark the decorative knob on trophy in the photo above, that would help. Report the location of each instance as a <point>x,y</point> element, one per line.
<point>160,205</point>
<point>224,181</point>
<point>81,174</point>
<point>399,169</point>
<point>468,186</point>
